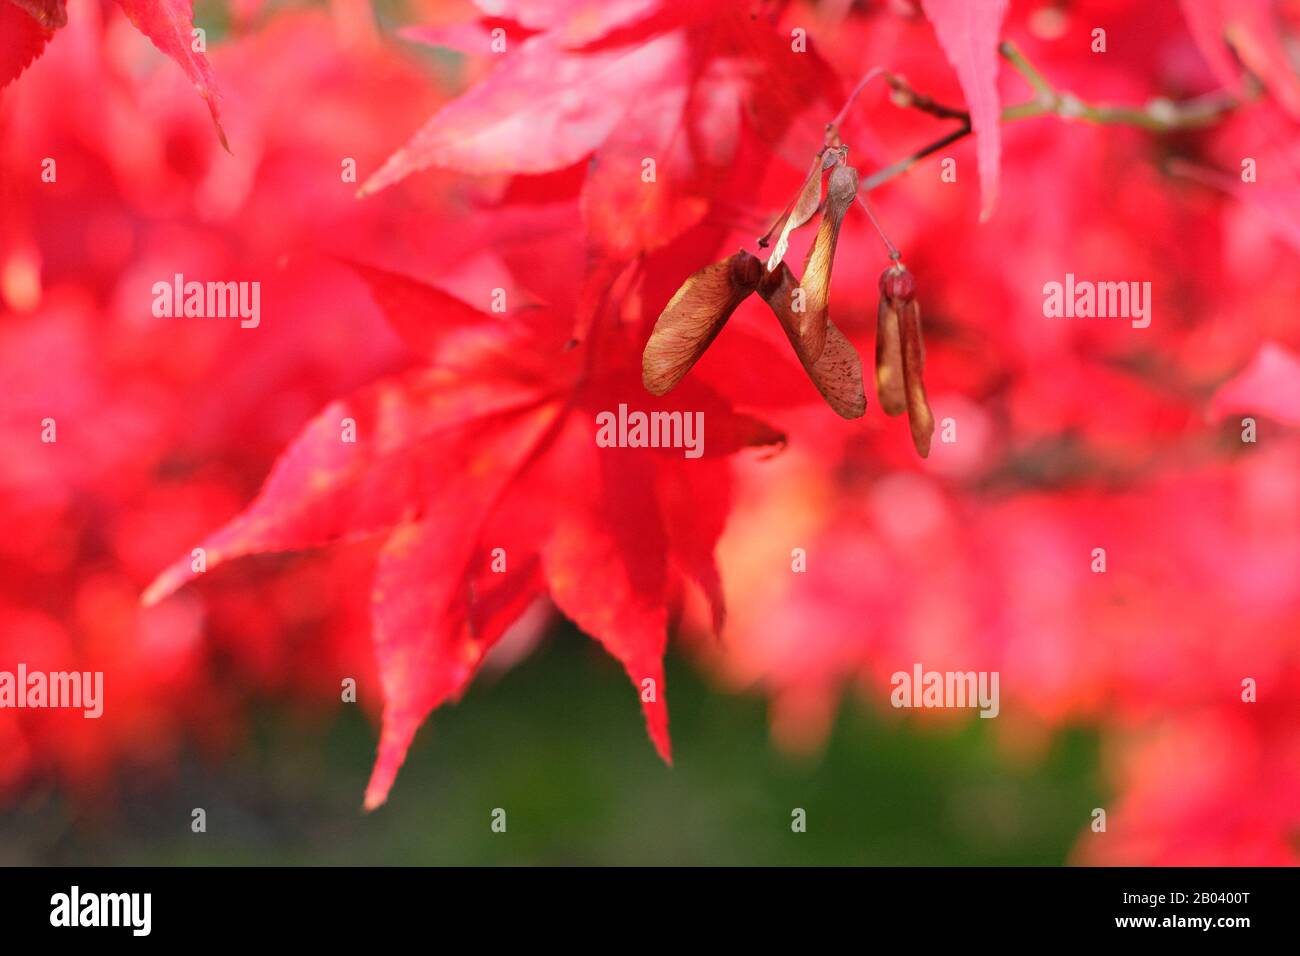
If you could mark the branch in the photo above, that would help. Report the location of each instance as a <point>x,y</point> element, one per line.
<point>1159,115</point>
<point>906,163</point>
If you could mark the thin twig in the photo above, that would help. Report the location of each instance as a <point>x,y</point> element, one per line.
<point>1011,53</point>
<point>1157,116</point>
<point>909,98</point>
<point>833,127</point>
<point>903,165</point>
<point>893,249</point>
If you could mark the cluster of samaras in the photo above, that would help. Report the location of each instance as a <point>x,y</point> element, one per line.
<point>696,314</point>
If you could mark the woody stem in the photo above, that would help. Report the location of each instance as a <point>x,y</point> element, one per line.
<point>1157,116</point>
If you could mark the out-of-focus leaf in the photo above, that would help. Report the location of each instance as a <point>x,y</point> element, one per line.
<point>1269,385</point>
<point>1250,27</point>
<point>969,32</point>
<point>572,22</point>
<point>540,110</point>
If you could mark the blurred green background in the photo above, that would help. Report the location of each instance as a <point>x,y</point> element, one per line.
<point>558,742</point>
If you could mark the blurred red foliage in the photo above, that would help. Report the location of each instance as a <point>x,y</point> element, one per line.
<point>163,430</point>
<point>1070,435</point>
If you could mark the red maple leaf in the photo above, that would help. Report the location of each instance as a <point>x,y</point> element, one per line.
<point>27,25</point>
<point>484,472</point>
<point>1248,28</point>
<point>636,80</point>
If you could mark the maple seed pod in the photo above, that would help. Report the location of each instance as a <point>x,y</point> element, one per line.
<point>693,318</point>
<point>841,187</point>
<point>837,372</point>
<point>900,355</point>
<point>805,204</point>
<point>890,385</point>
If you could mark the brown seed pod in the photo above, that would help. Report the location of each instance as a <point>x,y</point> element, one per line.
<point>805,204</point>
<point>837,372</point>
<point>693,318</point>
<point>841,187</point>
<point>889,360</point>
<point>890,385</point>
<point>900,355</point>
